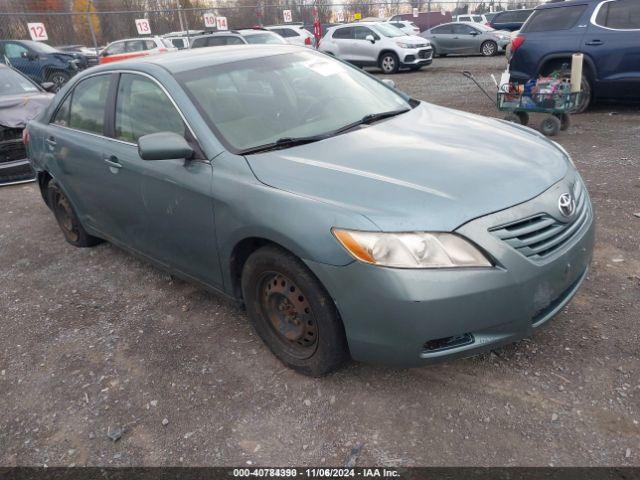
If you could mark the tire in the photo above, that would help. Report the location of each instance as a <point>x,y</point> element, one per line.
<point>550,125</point>
<point>292,312</point>
<point>524,118</point>
<point>565,121</point>
<point>58,78</point>
<point>586,97</point>
<point>489,48</point>
<point>513,117</point>
<point>389,63</point>
<point>73,231</point>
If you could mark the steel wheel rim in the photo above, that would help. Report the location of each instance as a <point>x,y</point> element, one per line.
<point>58,80</point>
<point>388,64</point>
<point>288,315</point>
<point>65,219</point>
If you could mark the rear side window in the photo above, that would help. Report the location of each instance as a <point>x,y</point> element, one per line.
<point>88,102</point>
<point>134,46</point>
<point>343,33</point>
<point>512,16</point>
<point>62,115</point>
<point>443,30</point>
<point>199,42</point>
<point>552,19</point>
<point>143,108</point>
<point>361,33</point>
<point>620,15</point>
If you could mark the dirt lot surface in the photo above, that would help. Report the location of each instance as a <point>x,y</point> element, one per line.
<point>94,341</point>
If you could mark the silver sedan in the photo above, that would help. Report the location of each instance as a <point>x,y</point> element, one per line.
<point>466,38</point>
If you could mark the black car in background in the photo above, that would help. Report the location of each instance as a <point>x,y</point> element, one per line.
<point>81,51</point>
<point>41,62</point>
<point>510,20</point>
<point>21,100</point>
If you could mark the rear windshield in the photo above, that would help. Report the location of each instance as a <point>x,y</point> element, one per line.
<point>12,83</point>
<point>266,37</point>
<point>512,16</point>
<point>551,19</point>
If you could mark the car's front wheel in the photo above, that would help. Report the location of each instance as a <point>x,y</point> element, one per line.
<point>489,48</point>
<point>73,231</point>
<point>292,312</point>
<point>58,79</point>
<point>389,62</point>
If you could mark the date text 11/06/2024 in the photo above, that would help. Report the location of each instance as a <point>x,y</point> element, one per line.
<point>315,472</point>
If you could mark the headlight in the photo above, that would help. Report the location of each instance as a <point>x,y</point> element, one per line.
<point>411,250</point>
<point>406,45</point>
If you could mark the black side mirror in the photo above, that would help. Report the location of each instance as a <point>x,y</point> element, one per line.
<point>28,55</point>
<point>164,146</point>
<point>370,38</point>
<point>48,86</point>
<point>474,33</point>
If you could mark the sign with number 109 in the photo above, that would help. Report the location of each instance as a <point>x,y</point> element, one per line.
<point>37,31</point>
<point>143,27</point>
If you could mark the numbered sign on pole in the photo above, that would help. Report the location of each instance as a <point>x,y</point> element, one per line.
<point>287,16</point>
<point>143,27</point>
<point>340,16</point>
<point>209,20</point>
<point>382,13</point>
<point>221,23</point>
<point>415,13</point>
<point>37,31</point>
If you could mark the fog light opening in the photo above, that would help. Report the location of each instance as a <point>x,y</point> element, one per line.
<point>447,343</point>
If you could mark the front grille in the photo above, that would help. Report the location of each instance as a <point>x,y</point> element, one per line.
<point>10,134</point>
<point>425,54</point>
<point>12,151</point>
<point>541,235</point>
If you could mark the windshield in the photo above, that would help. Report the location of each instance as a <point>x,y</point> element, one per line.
<point>265,37</point>
<point>12,83</point>
<point>259,101</point>
<point>43,47</point>
<point>389,30</point>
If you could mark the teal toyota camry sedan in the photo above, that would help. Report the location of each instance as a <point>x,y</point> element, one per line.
<point>351,220</point>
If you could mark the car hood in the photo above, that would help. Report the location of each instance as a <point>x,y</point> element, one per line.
<point>432,168</point>
<point>410,39</point>
<point>17,110</point>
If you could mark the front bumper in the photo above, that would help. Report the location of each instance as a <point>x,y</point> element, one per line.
<point>419,56</point>
<point>395,316</point>
<point>14,166</point>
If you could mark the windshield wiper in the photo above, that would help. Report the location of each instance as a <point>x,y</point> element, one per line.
<point>288,142</point>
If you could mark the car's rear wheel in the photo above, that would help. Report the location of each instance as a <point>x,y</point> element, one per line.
<point>389,62</point>
<point>489,48</point>
<point>58,79</point>
<point>73,231</point>
<point>292,312</point>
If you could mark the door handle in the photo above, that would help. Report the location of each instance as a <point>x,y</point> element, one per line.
<point>595,43</point>
<point>51,141</point>
<point>112,161</point>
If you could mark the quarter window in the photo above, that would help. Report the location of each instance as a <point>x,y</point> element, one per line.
<point>88,101</point>
<point>620,15</point>
<point>143,108</point>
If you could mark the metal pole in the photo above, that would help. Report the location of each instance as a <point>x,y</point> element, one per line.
<point>93,33</point>
<point>180,15</point>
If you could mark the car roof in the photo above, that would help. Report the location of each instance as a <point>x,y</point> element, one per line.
<point>355,24</point>
<point>565,3</point>
<point>154,37</point>
<point>185,60</point>
<point>252,31</point>
<point>226,33</point>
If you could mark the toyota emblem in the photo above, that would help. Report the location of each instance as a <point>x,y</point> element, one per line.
<point>567,205</point>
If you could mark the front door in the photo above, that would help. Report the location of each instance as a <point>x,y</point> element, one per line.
<point>363,50</point>
<point>174,196</point>
<point>465,39</point>
<point>612,40</point>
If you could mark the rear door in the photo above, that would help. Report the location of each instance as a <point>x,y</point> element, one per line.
<point>172,198</point>
<point>613,42</point>
<point>443,37</point>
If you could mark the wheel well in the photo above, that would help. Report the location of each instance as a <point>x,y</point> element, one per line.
<point>239,256</point>
<point>553,64</point>
<point>384,52</point>
<point>43,181</point>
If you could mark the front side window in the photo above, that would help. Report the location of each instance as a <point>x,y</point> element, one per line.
<point>115,49</point>
<point>361,33</point>
<point>553,19</point>
<point>249,103</point>
<point>88,102</point>
<point>620,15</point>
<point>12,83</point>
<point>14,50</point>
<point>463,29</point>
<point>143,108</point>
<point>134,46</point>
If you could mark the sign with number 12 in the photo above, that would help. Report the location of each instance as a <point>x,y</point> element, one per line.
<point>37,31</point>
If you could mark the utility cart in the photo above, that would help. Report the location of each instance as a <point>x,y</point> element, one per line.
<point>554,99</point>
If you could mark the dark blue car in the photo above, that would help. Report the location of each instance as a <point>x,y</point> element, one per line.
<point>607,32</point>
<point>41,62</point>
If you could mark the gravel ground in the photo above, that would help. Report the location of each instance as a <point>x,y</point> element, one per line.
<point>94,342</point>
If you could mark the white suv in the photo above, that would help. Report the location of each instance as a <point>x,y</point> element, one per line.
<point>293,33</point>
<point>377,44</point>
